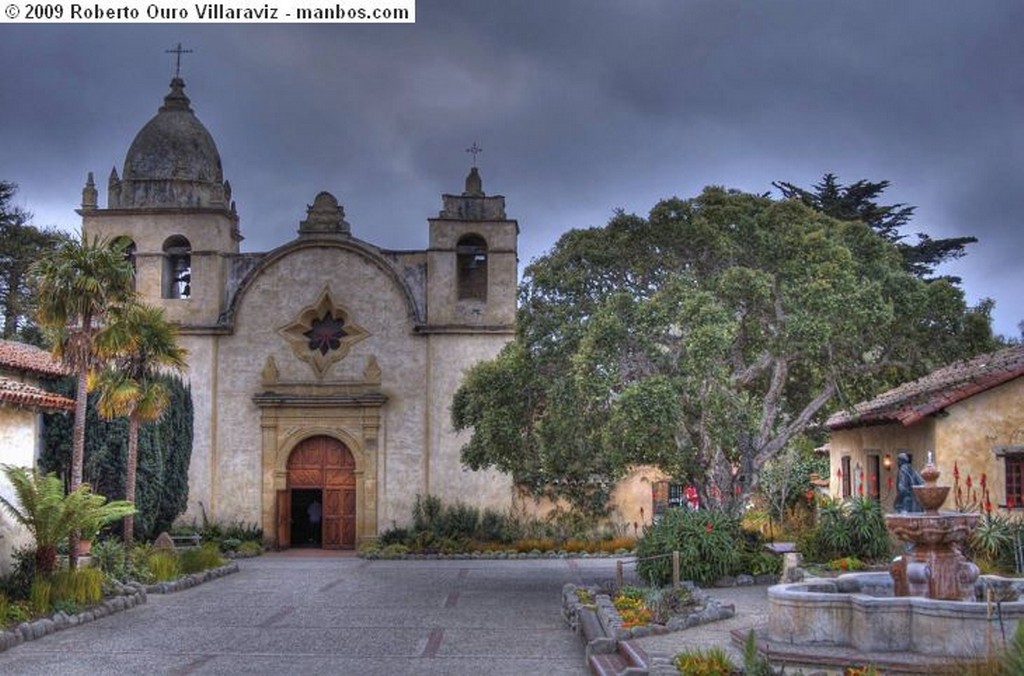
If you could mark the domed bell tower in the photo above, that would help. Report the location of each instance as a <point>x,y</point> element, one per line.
<point>173,209</point>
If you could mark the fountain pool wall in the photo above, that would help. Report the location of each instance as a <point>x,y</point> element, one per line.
<point>858,611</point>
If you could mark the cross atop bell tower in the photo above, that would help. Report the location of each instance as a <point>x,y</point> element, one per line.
<point>178,51</point>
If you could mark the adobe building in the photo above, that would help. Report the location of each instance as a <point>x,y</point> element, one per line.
<point>323,370</point>
<point>969,415</point>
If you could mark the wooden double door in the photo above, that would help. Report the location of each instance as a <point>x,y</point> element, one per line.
<point>319,464</point>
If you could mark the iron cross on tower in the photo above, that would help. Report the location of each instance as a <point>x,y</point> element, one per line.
<point>474,150</point>
<point>178,51</point>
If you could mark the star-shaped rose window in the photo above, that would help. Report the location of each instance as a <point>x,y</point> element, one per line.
<point>322,334</point>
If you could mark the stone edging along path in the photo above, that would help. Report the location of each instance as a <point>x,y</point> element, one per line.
<point>127,596</point>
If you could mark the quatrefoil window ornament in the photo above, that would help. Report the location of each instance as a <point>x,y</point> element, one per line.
<point>322,334</point>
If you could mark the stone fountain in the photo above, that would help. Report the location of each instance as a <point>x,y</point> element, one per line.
<point>930,607</point>
<point>934,567</point>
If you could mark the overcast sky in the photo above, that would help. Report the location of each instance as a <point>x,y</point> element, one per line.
<point>581,107</point>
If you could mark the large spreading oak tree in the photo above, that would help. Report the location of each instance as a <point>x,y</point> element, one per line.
<point>701,339</point>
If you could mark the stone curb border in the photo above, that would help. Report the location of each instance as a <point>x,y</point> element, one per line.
<point>493,556</point>
<point>128,596</point>
<point>192,580</point>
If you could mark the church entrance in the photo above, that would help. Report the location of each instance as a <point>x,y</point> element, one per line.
<point>318,508</point>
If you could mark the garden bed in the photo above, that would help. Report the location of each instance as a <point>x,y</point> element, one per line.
<point>698,608</point>
<point>124,597</point>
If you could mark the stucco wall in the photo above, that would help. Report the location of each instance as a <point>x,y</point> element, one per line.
<point>885,440</point>
<point>18,434</point>
<point>274,300</point>
<point>972,428</point>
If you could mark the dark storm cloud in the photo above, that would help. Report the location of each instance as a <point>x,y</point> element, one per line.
<point>581,107</point>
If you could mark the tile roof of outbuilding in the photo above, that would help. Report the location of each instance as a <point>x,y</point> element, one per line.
<point>910,402</point>
<point>24,357</point>
<point>16,393</point>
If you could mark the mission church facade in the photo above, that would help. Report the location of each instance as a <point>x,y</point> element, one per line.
<point>322,370</point>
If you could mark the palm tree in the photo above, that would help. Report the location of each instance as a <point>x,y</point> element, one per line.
<point>76,285</point>
<point>51,516</point>
<point>139,344</point>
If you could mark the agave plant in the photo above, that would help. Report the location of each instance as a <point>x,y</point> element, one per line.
<point>51,516</point>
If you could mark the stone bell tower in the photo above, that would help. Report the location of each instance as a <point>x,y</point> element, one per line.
<point>472,262</point>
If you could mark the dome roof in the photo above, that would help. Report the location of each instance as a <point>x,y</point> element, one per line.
<point>173,161</point>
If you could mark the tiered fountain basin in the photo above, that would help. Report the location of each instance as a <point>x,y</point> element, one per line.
<point>859,611</point>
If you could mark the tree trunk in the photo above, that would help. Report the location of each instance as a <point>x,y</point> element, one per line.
<point>129,482</point>
<point>78,451</point>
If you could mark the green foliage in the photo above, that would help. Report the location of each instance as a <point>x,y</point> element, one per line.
<point>992,541</point>
<point>80,586</point>
<point>200,558</point>
<point>15,585</point>
<point>855,528</point>
<point>250,548</point>
<point>21,244</point>
<point>165,450</point>
<point>40,595</point>
<point>708,542</point>
<point>701,339</point>
<point>666,602</point>
<point>110,557</point>
<point>753,663</point>
<point>704,662</point>
<point>856,202</point>
<point>163,565</point>
<point>51,516</point>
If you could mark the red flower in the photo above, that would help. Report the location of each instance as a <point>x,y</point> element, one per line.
<point>708,527</point>
<point>968,481</point>
<point>956,471</point>
<point>983,480</point>
<point>988,506</point>
<point>860,489</point>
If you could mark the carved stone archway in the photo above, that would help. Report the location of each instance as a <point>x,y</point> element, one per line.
<point>323,464</point>
<point>350,415</point>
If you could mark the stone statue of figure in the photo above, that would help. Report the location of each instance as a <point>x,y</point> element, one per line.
<point>906,478</point>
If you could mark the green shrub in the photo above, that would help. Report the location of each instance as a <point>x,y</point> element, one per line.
<point>163,565</point>
<point>200,558</point>
<point>709,544</point>
<point>230,544</point>
<point>251,548</point>
<point>241,531</point>
<point>494,526</point>
<point>17,583</point>
<point>754,664</point>
<point>459,521</point>
<point>853,528</point>
<point>394,551</point>
<point>40,595</point>
<point>393,536</point>
<point>710,662</point>
<point>110,557</point>
<point>426,513</point>
<point>992,541</point>
<point>81,586</point>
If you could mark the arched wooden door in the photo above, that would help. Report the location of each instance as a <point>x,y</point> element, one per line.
<point>322,463</point>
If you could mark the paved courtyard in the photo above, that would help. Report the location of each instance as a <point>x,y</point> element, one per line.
<point>310,613</point>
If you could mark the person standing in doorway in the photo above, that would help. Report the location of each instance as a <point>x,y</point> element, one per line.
<point>315,512</point>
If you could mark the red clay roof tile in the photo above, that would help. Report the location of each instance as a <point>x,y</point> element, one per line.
<point>24,357</point>
<point>15,393</point>
<point>910,402</point>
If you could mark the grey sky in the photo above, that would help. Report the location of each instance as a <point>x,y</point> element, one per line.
<point>581,107</point>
